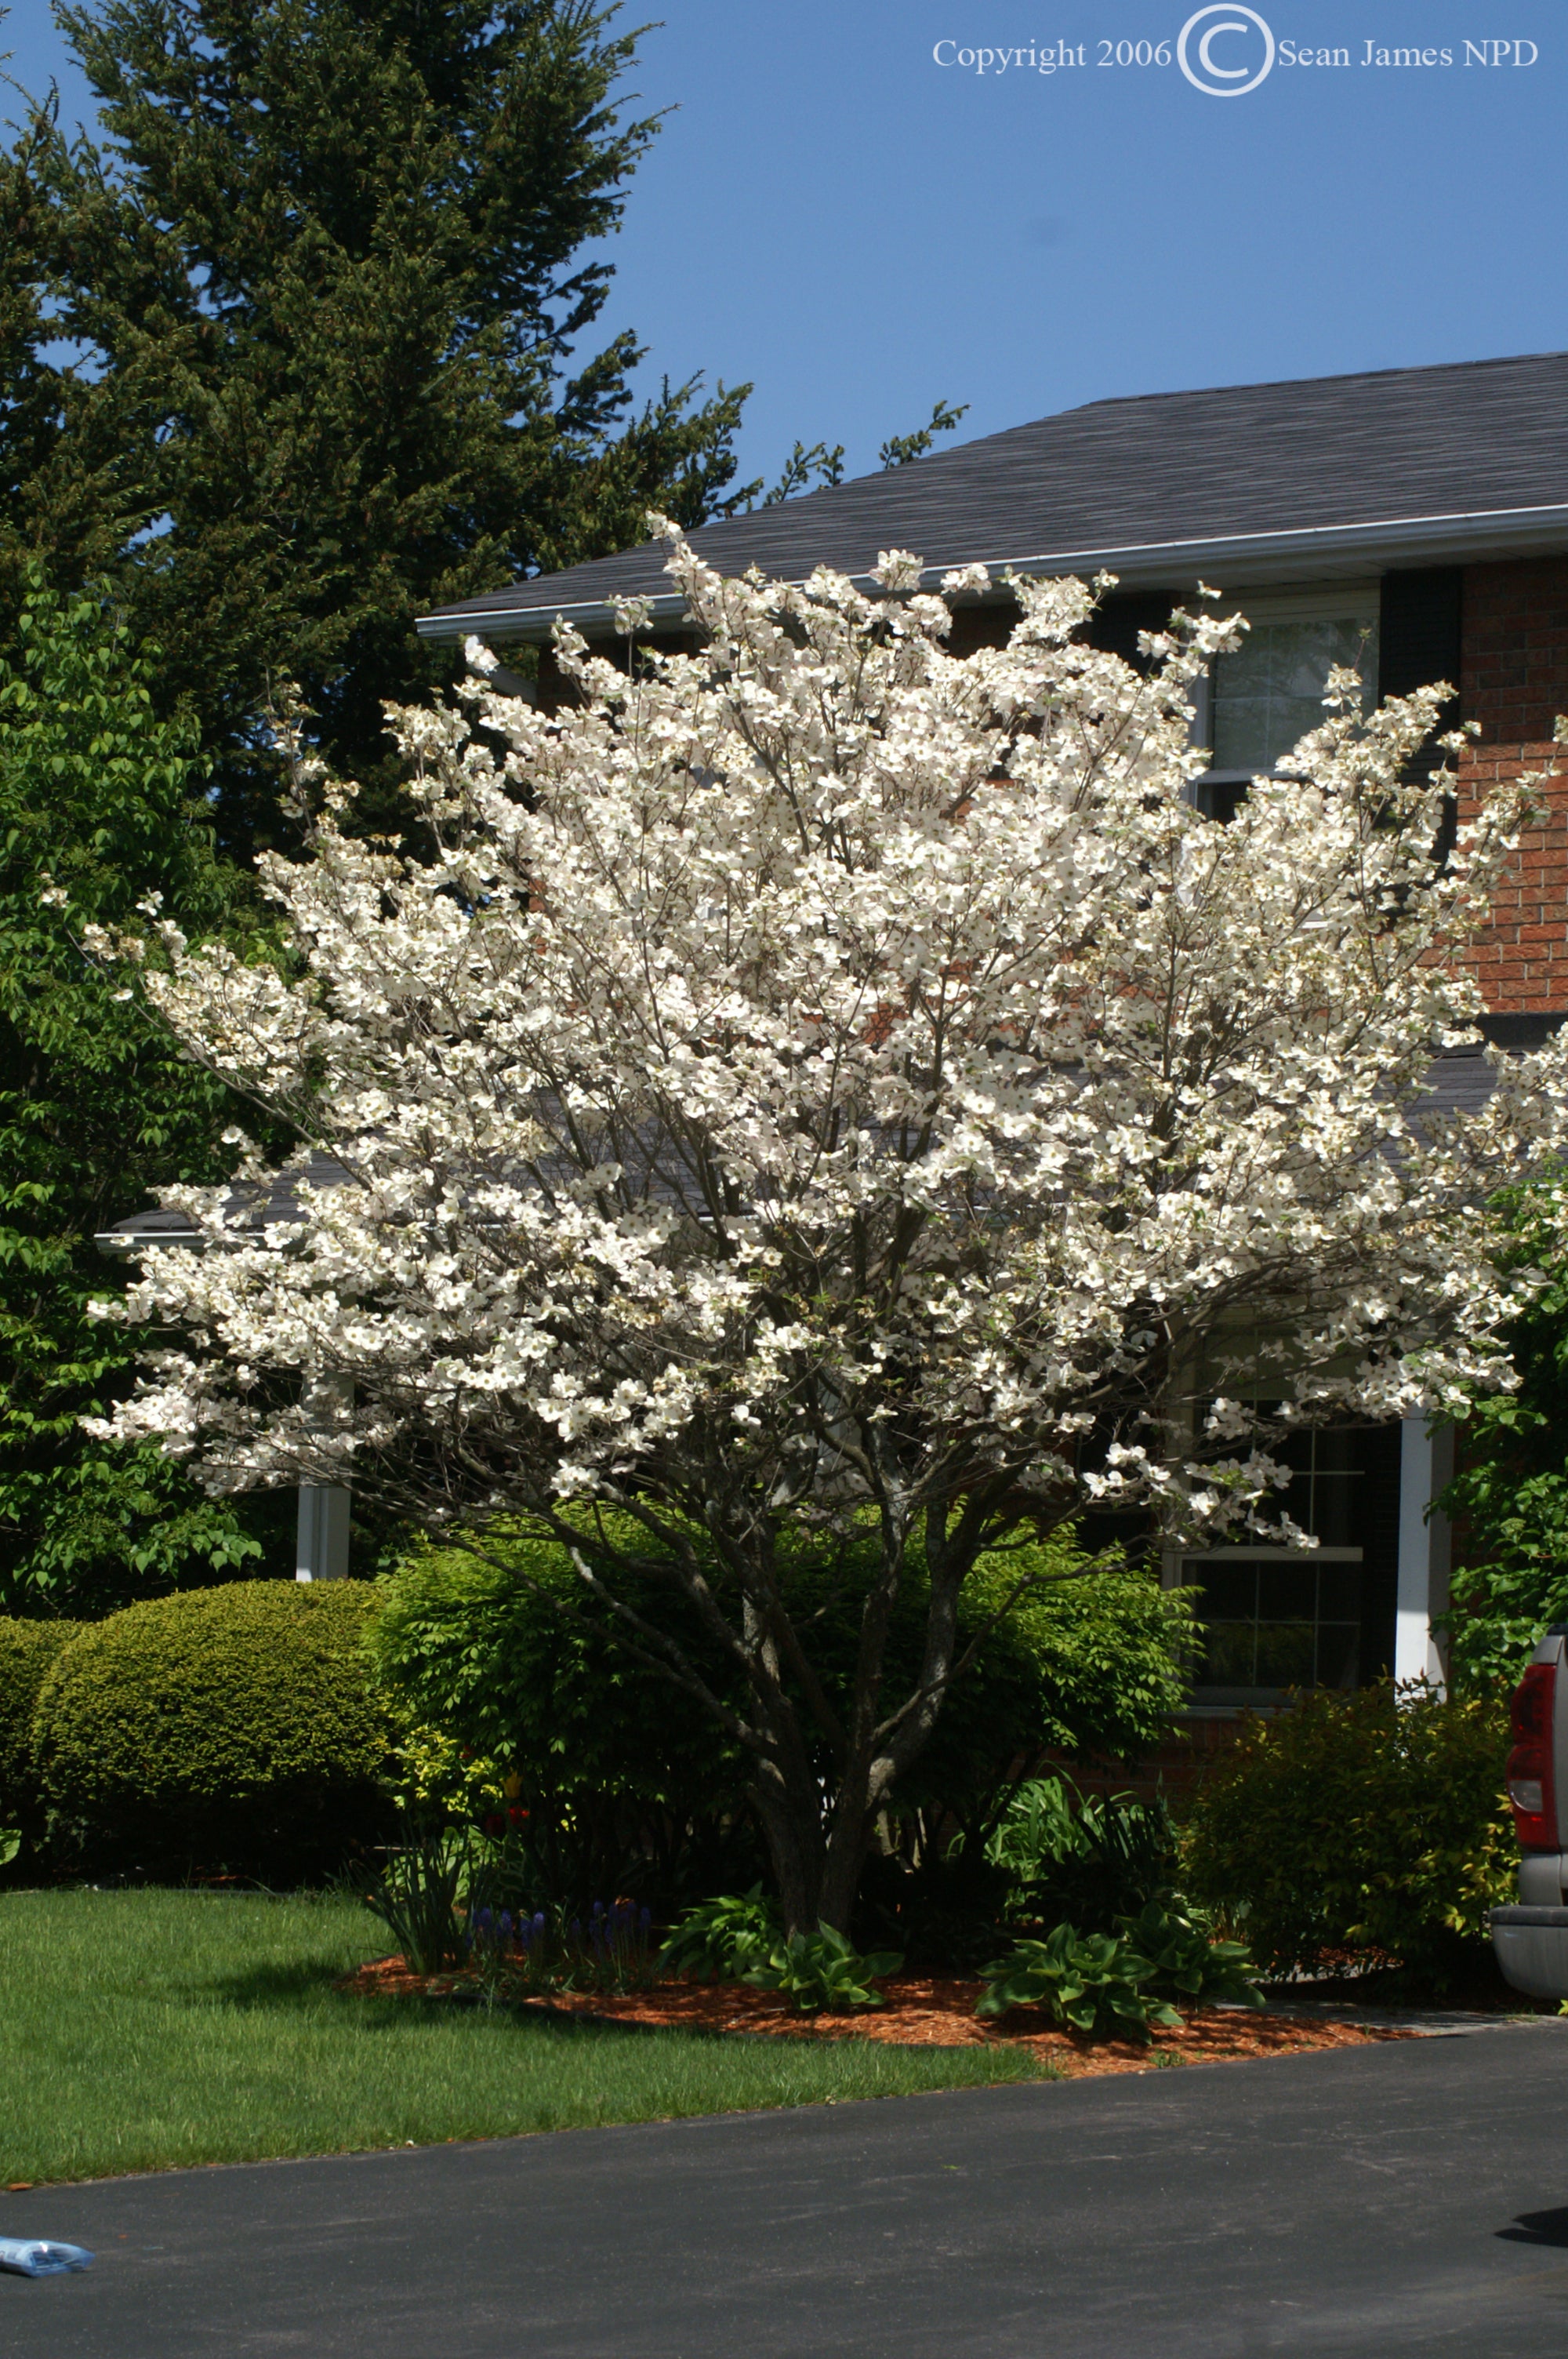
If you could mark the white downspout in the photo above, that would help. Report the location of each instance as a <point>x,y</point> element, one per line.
<point>1426,1464</point>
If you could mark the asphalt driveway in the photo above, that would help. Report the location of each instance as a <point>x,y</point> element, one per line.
<point>1411,2197</point>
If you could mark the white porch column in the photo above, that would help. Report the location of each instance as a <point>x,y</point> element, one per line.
<point>1426,1463</point>
<point>321,1551</point>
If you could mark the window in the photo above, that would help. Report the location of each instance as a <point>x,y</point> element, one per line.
<point>1269,692</point>
<point>1273,1618</point>
<point>1278,1622</point>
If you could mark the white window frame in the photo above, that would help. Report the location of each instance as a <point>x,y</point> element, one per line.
<point>1310,602</point>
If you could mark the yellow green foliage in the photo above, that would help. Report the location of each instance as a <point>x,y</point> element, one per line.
<point>27,1652</point>
<point>1373,1819</point>
<point>232,1728</point>
<point>508,1654</point>
<point>434,1771</point>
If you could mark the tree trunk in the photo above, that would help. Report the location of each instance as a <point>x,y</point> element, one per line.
<point>848,1834</point>
<point>795,1849</point>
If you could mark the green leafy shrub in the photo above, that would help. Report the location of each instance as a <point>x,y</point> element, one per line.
<point>1511,1488</point>
<point>1093,1982</point>
<point>232,1729</point>
<point>1112,1856</point>
<point>508,1658</point>
<point>1051,1856</point>
<point>1087,1663</point>
<point>1087,1859</point>
<point>104,795</point>
<point>628,1789</point>
<point>28,1653</point>
<point>719,1940</point>
<point>1359,1822</point>
<point>821,1969</point>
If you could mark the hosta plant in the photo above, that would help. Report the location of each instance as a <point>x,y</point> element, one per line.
<point>1178,1938</point>
<point>1093,1982</point>
<point>822,1970</point>
<point>722,1939</point>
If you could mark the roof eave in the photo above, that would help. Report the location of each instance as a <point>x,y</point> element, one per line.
<point>1255,557</point>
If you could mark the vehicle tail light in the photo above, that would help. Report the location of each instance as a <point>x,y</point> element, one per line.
<point>1533,1788</point>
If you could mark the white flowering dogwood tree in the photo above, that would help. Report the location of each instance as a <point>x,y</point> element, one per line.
<point>818,1085</point>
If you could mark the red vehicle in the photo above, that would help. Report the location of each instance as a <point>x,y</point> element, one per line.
<point>1530,1938</point>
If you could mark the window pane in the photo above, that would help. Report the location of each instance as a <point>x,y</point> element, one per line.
<point>1334,1481</point>
<point>1268,1624</point>
<point>1229,1653</point>
<point>1286,1654</point>
<point>1229,1590</point>
<point>1338,1651</point>
<point>1339,1592</point>
<point>1270,691</point>
<point>1287,1593</point>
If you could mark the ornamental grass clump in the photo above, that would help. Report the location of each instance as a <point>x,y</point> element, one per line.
<point>1087,1859</point>
<point>817,1099</point>
<point>418,1894</point>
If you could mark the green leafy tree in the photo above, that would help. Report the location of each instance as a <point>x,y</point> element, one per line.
<point>101,802</point>
<point>1510,1497</point>
<point>316,291</point>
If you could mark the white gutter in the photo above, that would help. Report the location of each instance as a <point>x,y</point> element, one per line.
<point>1243,558</point>
<point>130,1241</point>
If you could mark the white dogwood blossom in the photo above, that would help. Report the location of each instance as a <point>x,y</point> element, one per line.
<point>822,1078</point>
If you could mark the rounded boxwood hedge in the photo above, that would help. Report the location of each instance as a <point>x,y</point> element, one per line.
<point>226,1730</point>
<point>28,1653</point>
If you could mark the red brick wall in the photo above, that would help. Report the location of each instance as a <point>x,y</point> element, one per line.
<point>1515,683</point>
<point>1178,1764</point>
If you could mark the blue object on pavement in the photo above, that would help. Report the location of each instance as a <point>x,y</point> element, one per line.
<point>34,2256</point>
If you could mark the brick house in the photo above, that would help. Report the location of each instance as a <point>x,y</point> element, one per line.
<point>1414,521</point>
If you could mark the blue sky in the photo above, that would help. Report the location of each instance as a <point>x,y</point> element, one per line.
<point>860,230</point>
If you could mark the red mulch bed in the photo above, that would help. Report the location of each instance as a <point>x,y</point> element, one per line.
<point>916,2013</point>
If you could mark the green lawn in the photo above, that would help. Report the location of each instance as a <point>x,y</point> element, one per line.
<point>143,2030</point>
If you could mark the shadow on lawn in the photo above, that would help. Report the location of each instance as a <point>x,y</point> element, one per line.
<point>294,1985</point>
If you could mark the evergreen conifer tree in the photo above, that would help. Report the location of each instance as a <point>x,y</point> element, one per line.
<point>318,283</point>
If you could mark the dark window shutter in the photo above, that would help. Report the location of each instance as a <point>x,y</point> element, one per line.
<point>1114,625</point>
<point>1418,642</point>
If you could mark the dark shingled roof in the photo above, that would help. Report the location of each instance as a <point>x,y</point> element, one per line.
<point>277,1201</point>
<point>1318,475</point>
